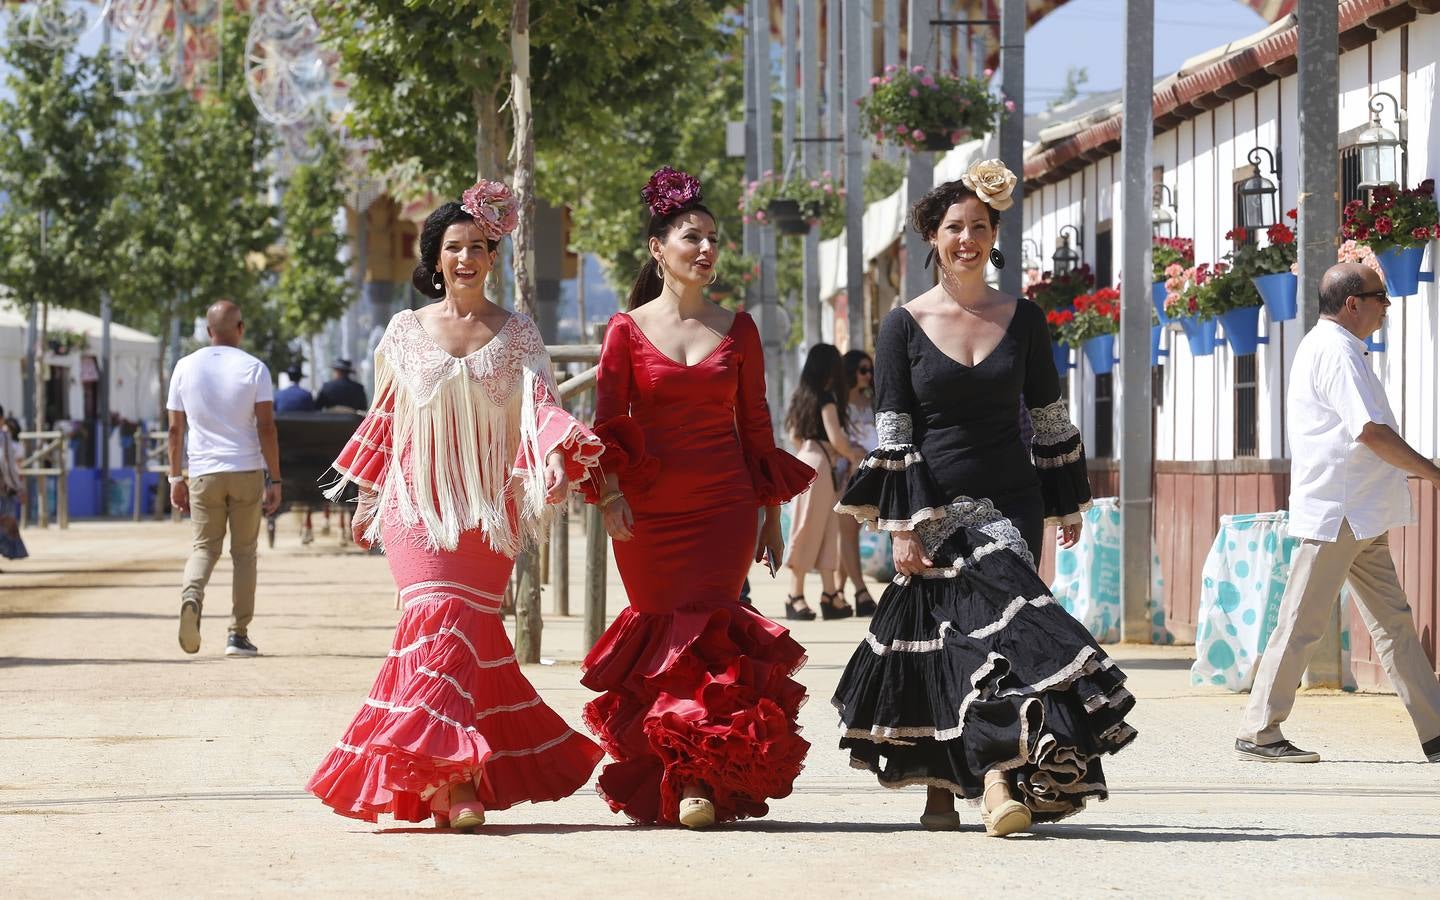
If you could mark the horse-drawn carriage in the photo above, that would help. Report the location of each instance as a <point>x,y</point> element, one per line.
<point>309,443</point>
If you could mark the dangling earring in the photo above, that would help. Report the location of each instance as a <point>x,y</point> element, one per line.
<point>714,275</point>
<point>930,257</point>
<point>438,281</point>
<point>997,259</point>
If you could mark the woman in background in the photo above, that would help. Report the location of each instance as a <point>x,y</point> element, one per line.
<point>860,413</point>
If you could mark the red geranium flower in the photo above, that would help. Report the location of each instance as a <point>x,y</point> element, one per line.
<point>1384,225</point>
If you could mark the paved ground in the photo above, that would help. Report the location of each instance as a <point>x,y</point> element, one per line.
<point>128,767</point>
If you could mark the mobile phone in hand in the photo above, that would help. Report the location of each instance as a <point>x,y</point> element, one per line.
<point>770,562</point>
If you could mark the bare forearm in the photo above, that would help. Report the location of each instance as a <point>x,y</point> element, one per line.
<point>270,449</point>
<point>1391,448</point>
<point>175,445</point>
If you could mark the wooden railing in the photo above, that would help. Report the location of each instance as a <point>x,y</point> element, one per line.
<point>42,456</point>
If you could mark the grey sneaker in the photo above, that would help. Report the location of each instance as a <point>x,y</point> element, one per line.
<point>1277,751</point>
<point>190,626</point>
<point>239,645</point>
<point>1431,749</point>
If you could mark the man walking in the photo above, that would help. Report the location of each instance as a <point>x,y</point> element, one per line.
<point>342,392</point>
<point>1347,490</point>
<point>292,397</point>
<point>221,405</point>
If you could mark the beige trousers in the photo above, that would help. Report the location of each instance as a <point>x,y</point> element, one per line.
<point>814,524</point>
<point>218,500</point>
<point>1317,572</point>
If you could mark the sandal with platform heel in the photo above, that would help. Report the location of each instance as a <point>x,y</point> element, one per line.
<point>864,608</point>
<point>833,606</point>
<point>1006,817</point>
<point>797,608</point>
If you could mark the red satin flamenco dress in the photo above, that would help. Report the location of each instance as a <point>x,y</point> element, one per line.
<point>696,686</point>
<point>452,454</point>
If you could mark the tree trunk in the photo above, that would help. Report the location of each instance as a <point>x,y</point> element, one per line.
<point>528,622</point>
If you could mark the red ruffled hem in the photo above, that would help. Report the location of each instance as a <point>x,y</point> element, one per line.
<point>701,695</point>
<point>451,706</point>
<point>624,457</point>
<point>778,476</point>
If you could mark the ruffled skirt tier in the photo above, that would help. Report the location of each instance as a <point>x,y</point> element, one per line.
<point>701,695</point>
<point>976,667</point>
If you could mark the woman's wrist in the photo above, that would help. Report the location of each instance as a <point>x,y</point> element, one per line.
<point>605,501</point>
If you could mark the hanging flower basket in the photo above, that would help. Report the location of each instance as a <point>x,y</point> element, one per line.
<point>1269,268</point>
<point>1100,353</point>
<point>922,110</point>
<point>796,203</point>
<point>1200,334</point>
<point>1157,299</point>
<point>1061,352</point>
<point>1401,266</point>
<point>1156,354</point>
<point>1242,326</point>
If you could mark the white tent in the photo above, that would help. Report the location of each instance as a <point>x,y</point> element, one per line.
<point>135,361</point>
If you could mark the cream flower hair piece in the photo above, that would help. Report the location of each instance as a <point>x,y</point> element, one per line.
<point>992,182</point>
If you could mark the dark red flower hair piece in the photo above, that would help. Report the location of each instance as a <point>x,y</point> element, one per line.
<point>669,190</point>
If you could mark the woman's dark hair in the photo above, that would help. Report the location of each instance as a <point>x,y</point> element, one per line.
<point>431,234</point>
<point>852,360</point>
<point>926,216</point>
<point>648,282</point>
<point>821,379</point>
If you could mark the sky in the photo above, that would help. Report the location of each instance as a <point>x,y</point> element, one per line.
<point>1089,33</point>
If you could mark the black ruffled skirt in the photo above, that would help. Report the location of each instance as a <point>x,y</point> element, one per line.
<point>973,667</point>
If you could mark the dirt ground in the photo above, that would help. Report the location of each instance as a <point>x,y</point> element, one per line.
<point>130,768</point>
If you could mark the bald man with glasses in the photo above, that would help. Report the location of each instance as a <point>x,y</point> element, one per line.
<point>1347,490</point>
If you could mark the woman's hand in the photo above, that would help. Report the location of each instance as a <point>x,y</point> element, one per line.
<point>910,558</point>
<point>365,508</point>
<point>557,481</point>
<point>619,520</point>
<point>769,537</point>
<point>1066,536</point>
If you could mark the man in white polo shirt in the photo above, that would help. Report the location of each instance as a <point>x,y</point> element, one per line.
<point>223,398</point>
<point>1347,490</point>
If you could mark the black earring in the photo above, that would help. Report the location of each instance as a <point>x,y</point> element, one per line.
<point>438,281</point>
<point>997,259</point>
<point>929,257</point>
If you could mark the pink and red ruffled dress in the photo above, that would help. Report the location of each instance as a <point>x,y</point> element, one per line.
<point>451,456</point>
<point>695,686</point>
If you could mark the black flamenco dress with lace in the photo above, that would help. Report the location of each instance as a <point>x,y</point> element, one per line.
<point>972,665</point>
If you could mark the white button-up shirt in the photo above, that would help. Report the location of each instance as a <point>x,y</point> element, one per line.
<point>1333,394</point>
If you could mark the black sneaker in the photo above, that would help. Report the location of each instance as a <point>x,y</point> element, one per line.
<point>1431,749</point>
<point>239,645</point>
<point>1278,751</point>
<point>190,626</point>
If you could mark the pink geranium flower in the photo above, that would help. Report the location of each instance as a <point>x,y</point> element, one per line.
<point>493,207</point>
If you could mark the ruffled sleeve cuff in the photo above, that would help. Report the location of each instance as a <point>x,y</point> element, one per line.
<point>893,490</point>
<point>778,476</point>
<point>623,456</point>
<point>366,456</point>
<point>558,430</point>
<point>1060,462</point>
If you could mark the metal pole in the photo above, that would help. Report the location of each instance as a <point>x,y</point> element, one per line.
<point>890,56</point>
<point>769,320</point>
<point>834,88</point>
<point>1319,151</point>
<point>1136,461</point>
<point>750,240</point>
<point>1012,136</point>
<point>854,183</point>
<point>919,168</point>
<point>1319,85</point>
<point>810,157</point>
<point>789,54</point>
<point>106,313</point>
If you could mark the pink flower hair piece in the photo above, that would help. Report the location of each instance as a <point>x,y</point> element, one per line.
<point>493,207</point>
<point>669,190</point>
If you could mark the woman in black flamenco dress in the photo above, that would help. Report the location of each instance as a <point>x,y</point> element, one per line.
<point>973,681</point>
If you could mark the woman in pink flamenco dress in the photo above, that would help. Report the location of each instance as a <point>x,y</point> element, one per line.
<point>463,452</point>
<point>697,707</point>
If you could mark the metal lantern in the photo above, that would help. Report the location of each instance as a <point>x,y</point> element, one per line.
<point>1162,217</point>
<point>1381,150</point>
<point>1257,195</point>
<point>1029,255</point>
<point>1065,260</point>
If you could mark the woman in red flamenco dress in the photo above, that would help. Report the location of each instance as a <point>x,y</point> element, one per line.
<point>457,464</point>
<point>698,707</point>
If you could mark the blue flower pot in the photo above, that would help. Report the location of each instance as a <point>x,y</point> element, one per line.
<point>1157,297</point>
<point>1242,327</point>
<point>1200,335</point>
<point>1402,269</point>
<point>1100,352</point>
<point>1278,290</point>
<point>1376,342</point>
<point>1156,354</point>
<point>1062,357</point>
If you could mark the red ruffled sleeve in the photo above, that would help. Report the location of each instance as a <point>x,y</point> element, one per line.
<point>556,429</point>
<point>624,440</point>
<point>365,459</point>
<point>776,474</point>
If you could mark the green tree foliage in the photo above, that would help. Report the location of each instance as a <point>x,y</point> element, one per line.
<point>60,155</point>
<point>312,288</point>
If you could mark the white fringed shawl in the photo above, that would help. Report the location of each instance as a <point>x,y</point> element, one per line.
<point>464,440</point>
